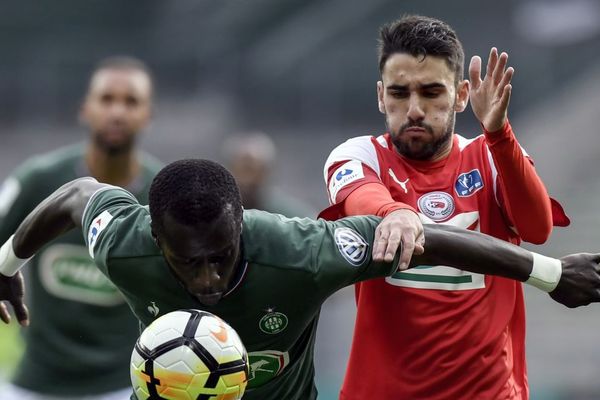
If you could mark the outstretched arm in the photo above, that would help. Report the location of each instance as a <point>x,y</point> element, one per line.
<point>573,280</point>
<point>57,214</point>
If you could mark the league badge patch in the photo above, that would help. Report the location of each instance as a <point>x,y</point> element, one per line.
<point>468,183</point>
<point>351,245</point>
<point>99,224</point>
<point>436,205</point>
<point>343,175</point>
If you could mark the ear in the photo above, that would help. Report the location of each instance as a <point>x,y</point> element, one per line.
<point>380,103</point>
<point>155,237</point>
<point>462,96</point>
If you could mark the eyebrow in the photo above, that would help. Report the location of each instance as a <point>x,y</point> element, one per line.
<point>434,85</point>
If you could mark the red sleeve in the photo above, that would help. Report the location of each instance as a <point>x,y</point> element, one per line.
<point>524,195</point>
<point>367,196</point>
<point>372,199</point>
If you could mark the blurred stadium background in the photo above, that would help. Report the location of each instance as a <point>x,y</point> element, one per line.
<point>305,73</point>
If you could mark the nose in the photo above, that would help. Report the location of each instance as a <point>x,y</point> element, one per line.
<point>117,109</point>
<point>206,277</point>
<point>415,109</point>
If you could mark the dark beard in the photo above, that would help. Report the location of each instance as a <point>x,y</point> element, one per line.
<point>113,149</point>
<point>429,150</point>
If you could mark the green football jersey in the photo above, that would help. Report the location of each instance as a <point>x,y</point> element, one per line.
<point>289,267</point>
<point>82,331</point>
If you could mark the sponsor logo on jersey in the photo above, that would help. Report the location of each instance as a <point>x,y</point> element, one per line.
<point>436,205</point>
<point>97,226</point>
<point>351,245</point>
<point>9,191</point>
<point>345,174</point>
<point>66,271</point>
<point>273,322</point>
<point>398,181</point>
<point>266,365</point>
<point>468,183</point>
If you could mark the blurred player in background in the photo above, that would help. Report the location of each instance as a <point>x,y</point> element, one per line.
<point>79,341</point>
<point>251,158</point>
<point>265,274</point>
<point>441,333</point>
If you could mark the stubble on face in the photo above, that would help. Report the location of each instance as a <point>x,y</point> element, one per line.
<point>416,148</point>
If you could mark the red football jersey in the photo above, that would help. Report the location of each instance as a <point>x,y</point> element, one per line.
<point>434,332</point>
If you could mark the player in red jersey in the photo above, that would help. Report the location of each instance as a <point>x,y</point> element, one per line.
<point>437,332</point>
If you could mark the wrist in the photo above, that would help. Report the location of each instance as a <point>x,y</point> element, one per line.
<point>545,273</point>
<point>497,134</point>
<point>10,264</point>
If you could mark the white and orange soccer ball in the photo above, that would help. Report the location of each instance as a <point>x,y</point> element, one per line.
<point>189,355</point>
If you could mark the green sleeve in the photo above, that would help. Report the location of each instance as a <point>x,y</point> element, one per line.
<point>344,255</point>
<point>102,220</point>
<point>325,255</point>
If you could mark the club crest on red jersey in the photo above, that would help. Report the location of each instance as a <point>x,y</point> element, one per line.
<point>468,183</point>
<point>436,205</point>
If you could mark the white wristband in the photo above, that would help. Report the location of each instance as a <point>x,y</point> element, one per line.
<point>10,264</point>
<point>546,272</point>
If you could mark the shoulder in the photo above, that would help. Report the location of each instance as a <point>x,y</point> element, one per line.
<point>361,149</point>
<point>49,164</point>
<point>278,241</point>
<point>117,226</point>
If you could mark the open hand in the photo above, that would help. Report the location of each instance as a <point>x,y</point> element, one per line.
<point>12,289</point>
<point>490,97</point>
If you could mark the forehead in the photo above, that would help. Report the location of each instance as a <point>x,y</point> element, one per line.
<point>405,69</point>
<point>130,81</point>
<point>202,238</point>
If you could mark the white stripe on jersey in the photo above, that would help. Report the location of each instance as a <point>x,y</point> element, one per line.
<point>359,148</point>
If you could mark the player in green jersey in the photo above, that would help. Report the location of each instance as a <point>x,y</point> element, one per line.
<point>265,274</point>
<point>82,330</point>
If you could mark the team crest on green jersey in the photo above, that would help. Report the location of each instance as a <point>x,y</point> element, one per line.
<point>273,322</point>
<point>266,365</point>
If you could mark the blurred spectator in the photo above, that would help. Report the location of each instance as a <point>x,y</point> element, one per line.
<point>251,157</point>
<point>82,332</point>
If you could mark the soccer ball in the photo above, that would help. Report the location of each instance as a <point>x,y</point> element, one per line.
<point>189,355</point>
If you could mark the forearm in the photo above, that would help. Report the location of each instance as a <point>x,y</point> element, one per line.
<point>57,214</point>
<point>475,252</point>
<point>372,199</point>
<point>525,195</point>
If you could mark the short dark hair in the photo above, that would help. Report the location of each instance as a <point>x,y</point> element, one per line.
<point>123,63</point>
<point>421,36</point>
<point>193,191</point>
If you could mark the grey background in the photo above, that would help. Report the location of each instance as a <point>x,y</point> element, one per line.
<point>305,72</point>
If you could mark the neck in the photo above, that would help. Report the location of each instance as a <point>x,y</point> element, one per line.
<point>118,169</point>
<point>444,151</point>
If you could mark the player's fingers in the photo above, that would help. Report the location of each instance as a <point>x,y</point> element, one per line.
<point>506,79</point>
<point>475,72</point>
<point>4,314</point>
<point>408,246</point>
<point>500,66</point>
<point>22,313</point>
<point>505,99</point>
<point>420,244</point>
<point>379,244</point>
<point>492,60</point>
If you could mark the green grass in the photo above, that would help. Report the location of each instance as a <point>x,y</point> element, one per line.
<point>11,347</point>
